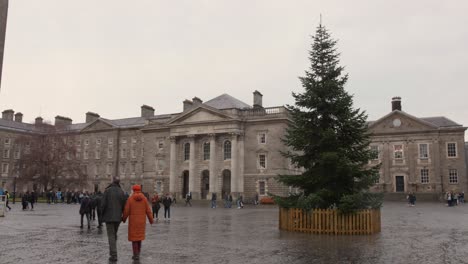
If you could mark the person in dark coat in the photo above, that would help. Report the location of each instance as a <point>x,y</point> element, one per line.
<point>24,200</point>
<point>155,202</point>
<point>112,204</point>
<point>167,201</point>
<point>85,210</point>
<point>32,199</point>
<point>213,200</point>
<point>98,200</point>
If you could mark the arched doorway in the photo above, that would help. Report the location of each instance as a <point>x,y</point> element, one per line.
<point>205,184</point>
<point>226,182</point>
<point>185,183</point>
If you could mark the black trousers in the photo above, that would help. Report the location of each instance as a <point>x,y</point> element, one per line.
<point>167,212</point>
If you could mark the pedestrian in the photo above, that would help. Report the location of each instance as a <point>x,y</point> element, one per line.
<point>188,198</point>
<point>462,197</point>
<point>412,199</point>
<point>230,200</point>
<point>137,209</point>
<point>24,200</point>
<point>156,205</point>
<point>32,199</point>
<point>112,204</point>
<point>98,201</point>
<point>256,199</point>
<point>85,210</point>
<point>7,198</point>
<point>167,201</point>
<point>213,200</point>
<point>240,202</point>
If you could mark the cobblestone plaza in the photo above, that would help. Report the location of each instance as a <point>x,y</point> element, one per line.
<point>427,233</point>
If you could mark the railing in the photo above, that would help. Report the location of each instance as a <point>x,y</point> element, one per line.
<point>330,221</point>
<point>265,111</point>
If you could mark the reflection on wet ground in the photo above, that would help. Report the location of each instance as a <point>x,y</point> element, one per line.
<point>427,233</point>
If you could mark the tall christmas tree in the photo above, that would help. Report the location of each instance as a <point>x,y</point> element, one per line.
<point>328,137</point>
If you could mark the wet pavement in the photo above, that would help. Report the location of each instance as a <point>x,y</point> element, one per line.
<point>427,233</point>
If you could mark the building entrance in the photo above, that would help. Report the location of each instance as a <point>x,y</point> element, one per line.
<point>399,184</point>
<point>185,183</point>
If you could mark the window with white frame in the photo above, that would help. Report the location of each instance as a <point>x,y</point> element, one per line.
<point>377,178</point>
<point>78,154</point>
<point>97,154</point>
<point>110,152</point>
<point>206,151</point>
<point>133,153</point>
<point>123,153</point>
<point>261,187</point>
<point>452,150</point>
<point>110,141</point>
<point>7,142</point>
<point>398,151</point>
<point>262,162</point>
<point>78,142</point>
<point>424,176</point>
<point>227,150</point>
<point>158,186</point>
<point>5,167</point>
<point>6,153</point>
<point>161,144</point>
<point>85,154</point>
<point>134,140</point>
<point>453,176</point>
<point>109,168</point>
<point>96,169</point>
<point>122,168</point>
<point>16,154</point>
<point>374,149</point>
<point>423,151</point>
<point>262,138</point>
<point>86,142</point>
<point>67,155</point>
<point>187,151</point>
<point>98,141</point>
<point>124,141</point>
<point>133,168</point>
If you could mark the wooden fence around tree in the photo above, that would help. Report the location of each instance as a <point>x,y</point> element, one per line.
<point>330,221</point>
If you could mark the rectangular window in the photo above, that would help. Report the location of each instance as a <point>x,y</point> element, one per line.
<point>398,151</point>
<point>97,154</point>
<point>374,149</point>
<point>7,141</point>
<point>122,168</point>
<point>110,152</point>
<point>124,141</point>
<point>134,140</point>
<point>98,141</point>
<point>261,187</point>
<point>133,153</point>
<point>424,176</point>
<point>6,153</point>
<point>123,153</point>
<point>453,176</point>
<point>86,142</point>
<point>423,151</point>
<point>109,168</point>
<point>78,142</point>
<point>161,144</point>
<point>67,155</point>
<point>110,141</point>
<point>133,168</point>
<point>85,154</point>
<point>452,150</point>
<point>262,161</point>
<point>262,138</point>
<point>206,151</point>
<point>78,154</point>
<point>96,169</point>
<point>16,154</point>
<point>377,179</point>
<point>5,167</point>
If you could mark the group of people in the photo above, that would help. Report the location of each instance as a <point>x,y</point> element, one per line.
<point>28,200</point>
<point>114,207</point>
<point>454,198</point>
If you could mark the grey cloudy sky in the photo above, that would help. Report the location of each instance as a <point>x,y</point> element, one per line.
<point>112,56</point>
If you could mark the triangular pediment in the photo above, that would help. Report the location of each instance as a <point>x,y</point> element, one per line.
<point>398,121</point>
<point>201,114</point>
<point>97,125</point>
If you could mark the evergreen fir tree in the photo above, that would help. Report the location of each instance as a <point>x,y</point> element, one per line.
<point>328,137</point>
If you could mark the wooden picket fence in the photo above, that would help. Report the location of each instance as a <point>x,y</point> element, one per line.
<point>330,221</point>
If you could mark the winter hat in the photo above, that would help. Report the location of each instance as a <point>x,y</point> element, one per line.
<point>136,188</point>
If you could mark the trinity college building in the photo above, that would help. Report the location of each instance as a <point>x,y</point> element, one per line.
<point>227,146</point>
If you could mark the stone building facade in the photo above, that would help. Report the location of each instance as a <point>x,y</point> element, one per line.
<point>227,146</point>
<point>423,155</point>
<point>222,146</point>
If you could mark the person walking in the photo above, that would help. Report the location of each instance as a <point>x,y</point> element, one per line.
<point>85,210</point>
<point>7,194</point>
<point>229,200</point>
<point>112,205</point>
<point>213,200</point>
<point>188,198</point>
<point>256,199</point>
<point>167,201</point>
<point>137,209</point>
<point>32,199</point>
<point>24,200</point>
<point>156,205</point>
<point>240,202</point>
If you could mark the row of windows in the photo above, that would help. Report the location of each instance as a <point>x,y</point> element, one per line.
<point>424,176</point>
<point>423,151</point>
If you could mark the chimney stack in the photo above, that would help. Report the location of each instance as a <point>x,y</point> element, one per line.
<point>188,105</point>
<point>257,99</point>
<point>196,101</point>
<point>62,121</point>
<point>8,114</point>
<point>396,103</point>
<point>38,120</point>
<point>91,117</point>
<point>19,117</point>
<point>147,111</point>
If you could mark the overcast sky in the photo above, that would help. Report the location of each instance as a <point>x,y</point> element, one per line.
<point>111,56</point>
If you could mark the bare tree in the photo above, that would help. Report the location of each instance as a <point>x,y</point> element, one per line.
<point>49,159</point>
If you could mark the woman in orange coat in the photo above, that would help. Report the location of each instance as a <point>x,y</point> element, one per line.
<point>137,209</point>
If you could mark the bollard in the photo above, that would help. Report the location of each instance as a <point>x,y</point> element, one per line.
<point>2,205</point>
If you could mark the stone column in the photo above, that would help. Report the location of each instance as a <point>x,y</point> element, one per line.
<point>240,183</point>
<point>213,176</point>
<point>192,167</point>
<point>172,168</point>
<point>234,165</point>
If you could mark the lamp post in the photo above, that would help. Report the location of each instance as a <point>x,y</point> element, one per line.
<point>14,189</point>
